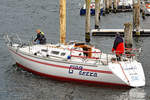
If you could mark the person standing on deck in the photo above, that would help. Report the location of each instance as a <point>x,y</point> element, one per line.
<point>118,46</point>
<point>40,39</point>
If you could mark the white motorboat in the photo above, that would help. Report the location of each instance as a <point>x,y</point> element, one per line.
<point>77,61</point>
<point>125,5</point>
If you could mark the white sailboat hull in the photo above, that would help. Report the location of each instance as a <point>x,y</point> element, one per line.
<point>70,71</point>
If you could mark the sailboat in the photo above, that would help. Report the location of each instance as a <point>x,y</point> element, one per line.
<point>76,61</point>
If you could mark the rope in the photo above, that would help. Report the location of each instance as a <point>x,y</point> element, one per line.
<point>124,73</point>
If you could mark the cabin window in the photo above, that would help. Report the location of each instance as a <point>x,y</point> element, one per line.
<point>44,50</point>
<point>55,52</point>
<point>63,54</point>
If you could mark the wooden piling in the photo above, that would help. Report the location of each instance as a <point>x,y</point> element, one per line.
<point>128,35</point>
<point>87,22</point>
<point>62,21</point>
<point>110,5</point>
<point>115,6</point>
<point>143,10</point>
<point>136,16</point>
<point>97,13</point>
<point>107,6</point>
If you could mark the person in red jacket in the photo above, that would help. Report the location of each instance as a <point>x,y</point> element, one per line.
<point>118,46</point>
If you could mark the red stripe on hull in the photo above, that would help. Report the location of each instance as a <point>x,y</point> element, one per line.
<point>71,79</point>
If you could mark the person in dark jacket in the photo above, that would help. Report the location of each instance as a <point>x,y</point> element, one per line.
<point>118,46</point>
<point>40,39</point>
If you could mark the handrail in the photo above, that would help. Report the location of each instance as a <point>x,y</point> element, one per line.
<point>131,49</point>
<point>6,38</point>
<point>135,49</point>
<point>19,38</point>
<point>128,55</point>
<point>84,51</point>
<point>84,57</point>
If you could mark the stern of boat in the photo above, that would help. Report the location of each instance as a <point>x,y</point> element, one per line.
<point>131,72</point>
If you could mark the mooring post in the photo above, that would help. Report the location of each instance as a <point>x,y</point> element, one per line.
<point>107,6</point>
<point>128,38</point>
<point>87,21</point>
<point>97,13</point>
<point>115,6</point>
<point>143,10</point>
<point>110,5</point>
<point>136,16</point>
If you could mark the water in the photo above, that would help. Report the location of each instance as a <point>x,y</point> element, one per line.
<point>25,16</point>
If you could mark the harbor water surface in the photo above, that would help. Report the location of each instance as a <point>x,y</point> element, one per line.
<point>25,16</point>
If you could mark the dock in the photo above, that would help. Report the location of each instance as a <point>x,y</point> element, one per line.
<point>112,32</point>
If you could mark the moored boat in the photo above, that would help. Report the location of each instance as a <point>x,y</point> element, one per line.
<point>92,8</point>
<point>125,6</point>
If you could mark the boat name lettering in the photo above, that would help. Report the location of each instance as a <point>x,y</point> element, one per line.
<point>134,78</point>
<point>131,68</point>
<point>72,68</point>
<point>88,73</point>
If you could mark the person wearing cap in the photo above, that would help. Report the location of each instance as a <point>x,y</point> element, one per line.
<point>40,39</point>
<point>118,46</point>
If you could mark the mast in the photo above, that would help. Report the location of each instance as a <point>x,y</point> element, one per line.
<point>62,16</point>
